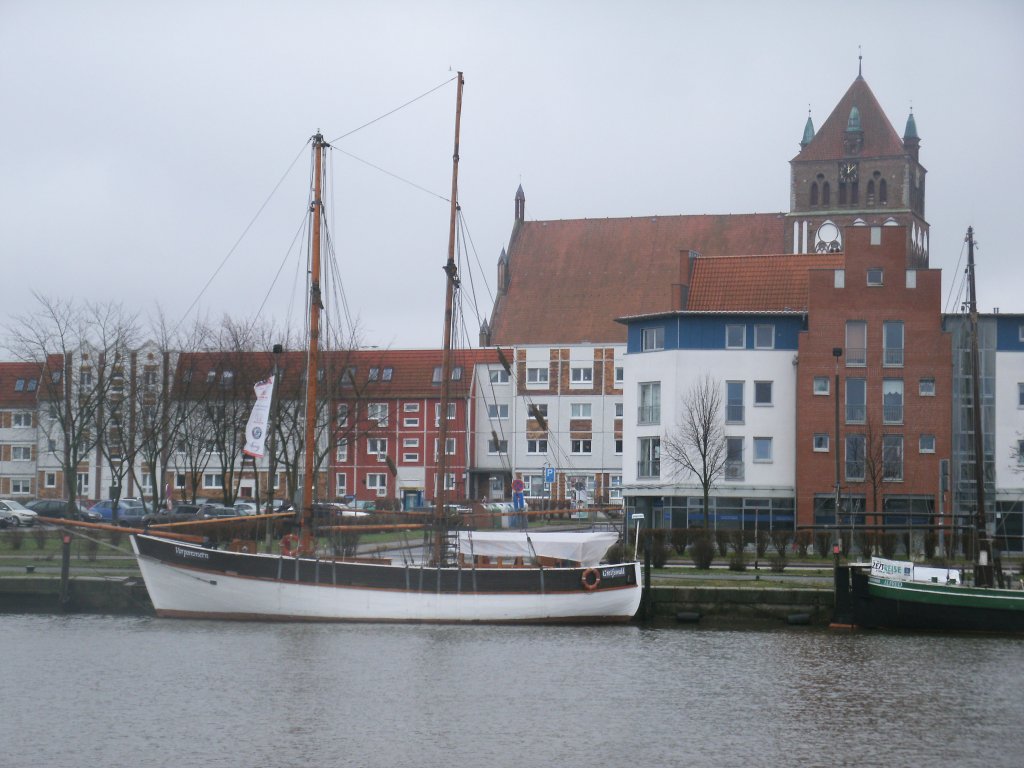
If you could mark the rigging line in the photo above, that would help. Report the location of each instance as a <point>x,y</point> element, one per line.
<point>396,109</point>
<point>476,255</point>
<point>472,282</point>
<point>277,275</point>
<point>392,175</point>
<point>241,237</point>
<point>963,245</point>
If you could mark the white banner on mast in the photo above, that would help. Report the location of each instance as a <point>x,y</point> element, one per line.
<point>259,419</point>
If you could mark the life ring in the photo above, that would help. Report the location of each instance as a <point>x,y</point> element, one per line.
<point>590,579</point>
<point>289,545</point>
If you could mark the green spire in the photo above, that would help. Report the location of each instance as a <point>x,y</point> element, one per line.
<point>911,130</point>
<point>808,131</point>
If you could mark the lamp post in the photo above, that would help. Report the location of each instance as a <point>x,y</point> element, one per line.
<point>837,352</point>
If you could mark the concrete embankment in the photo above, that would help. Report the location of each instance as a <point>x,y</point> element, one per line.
<point>708,606</point>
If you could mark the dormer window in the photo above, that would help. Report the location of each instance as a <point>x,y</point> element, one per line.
<point>388,373</point>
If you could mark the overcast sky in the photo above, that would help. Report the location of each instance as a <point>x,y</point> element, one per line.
<point>139,139</point>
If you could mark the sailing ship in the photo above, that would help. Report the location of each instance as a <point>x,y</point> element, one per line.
<point>514,577</point>
<point>901,595</point>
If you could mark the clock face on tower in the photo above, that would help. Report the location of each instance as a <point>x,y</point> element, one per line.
<point>847,171</point>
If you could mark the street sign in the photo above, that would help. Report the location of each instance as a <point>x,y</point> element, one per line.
<point>549,474</point>
<point>517,485</point>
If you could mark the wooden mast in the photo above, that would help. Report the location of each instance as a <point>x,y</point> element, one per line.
<point>452,282</point>
<point>983,572</point>
<point>306,540</point>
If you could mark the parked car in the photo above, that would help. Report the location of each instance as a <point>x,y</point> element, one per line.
<point>129,511</point>
<point>18,512</point>
<point>179,513</point>
<point>211,511</point>
<point>59,508</point>
<point>246,508</point>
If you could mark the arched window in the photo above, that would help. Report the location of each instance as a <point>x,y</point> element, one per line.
<point>871,191</point>
<point>883,196</point>
<point>814,193</point>
<point>826,194</point>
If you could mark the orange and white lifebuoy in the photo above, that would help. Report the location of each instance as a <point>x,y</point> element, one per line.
<point>289,545</point>
<point>590,579</point>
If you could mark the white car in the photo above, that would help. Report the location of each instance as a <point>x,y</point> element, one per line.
<point>15,510</point>
<point>246,508</point>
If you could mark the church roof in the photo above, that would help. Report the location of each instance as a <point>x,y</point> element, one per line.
<point>772,283</point>
<point>569,280</point>
<point>880,138</point>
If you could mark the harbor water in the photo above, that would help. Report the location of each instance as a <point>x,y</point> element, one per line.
<point>138,692</point>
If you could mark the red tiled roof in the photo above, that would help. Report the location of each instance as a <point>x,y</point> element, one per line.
<point>755,283</point>
<point>10,375</point>
<point>880,138</point>
<point>569,280</point>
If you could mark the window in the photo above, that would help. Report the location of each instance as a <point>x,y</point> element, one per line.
<point>21,419</point>
<point>19,385</point>
<point>874,276</point>
<point>341,484</point>
<point>582,375</point>
<point>618,446</point>
<point>537,411</point>
<point>580,446</point>
<point>410,421</point>
<point>449,444</point>
<point>652,339</point>
<point>618,410</point>
<point>649,411</point>
<point>734,402</point>
<point>411,442</point>
<point>497,375</point>
<point>82,482</point>
<point>735,336</point>
<point>495,447</point>
<point>457,373</point>
<point>615,487</point>
<point>342,415</point>
<point>892,343</point>
<point>373,375</point>
<point>821,385</point>
<point>762,393</point>
<point>620,375</point>
<point>213,480</point>
<point>821,443</point>
<point>348,376</point>
<point>50,480</point>
<point>147,483</point>
<point>926,387</point>
<point>341,450</point>
<point>1020,452</point>
<point>449,481</point>
<point>649,463</point>
<point>537,446</point>
<point>437,412</point>
<point>410,457</point>
<point>536,375</point>
<point>856,401</point>
<point>21,453</point>
<point>762,450</point>
<point>388,374</point>
<point>179,480</point>
<point>51,445</point>
<point>377,412</point>
<point>764,337</point>
<point>21,485</point>
<point>892,457</point>
<point>1020,394</point>
<point>855,447</point>
<point>497,411</point>
<point>436,378</point>
<point>856,343</point>
<point>892,401</point>
<point>85,377</point>
<point>377,446</point>
<point>377,481</point>
<point>734,458</point>
<point>579,410</point>
<point>926,444</point>
<point>411,407</point>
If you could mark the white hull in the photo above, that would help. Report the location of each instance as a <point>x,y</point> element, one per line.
<point>181,591</point>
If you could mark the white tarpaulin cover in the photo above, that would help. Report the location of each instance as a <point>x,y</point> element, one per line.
<point>585,548</point>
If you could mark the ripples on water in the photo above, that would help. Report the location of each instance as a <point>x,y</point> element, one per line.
<point>110,692</point>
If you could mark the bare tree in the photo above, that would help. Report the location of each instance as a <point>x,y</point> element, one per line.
<point>698,445</point>
<point>81,349</point>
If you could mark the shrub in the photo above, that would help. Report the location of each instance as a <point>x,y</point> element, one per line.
<point>702,550</point>
<point>778,563</point>
<point>722,539</point>
<point>887,544</point>
<point>738,540</point>
<point>761,542</point>
<point>680,538</point>
<point>92,549</point>
<point>40,535</point>
<point>780,541</point>
<point>115,538</point>
<point>865,543</point>
<point>823,543</point>
<point>803,542</point>
<point>657,540</point>
<point>738,561</point>
<point>930,544</point>
<point>15,538</point>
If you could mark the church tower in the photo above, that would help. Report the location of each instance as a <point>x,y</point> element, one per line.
<point>856,171</point>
